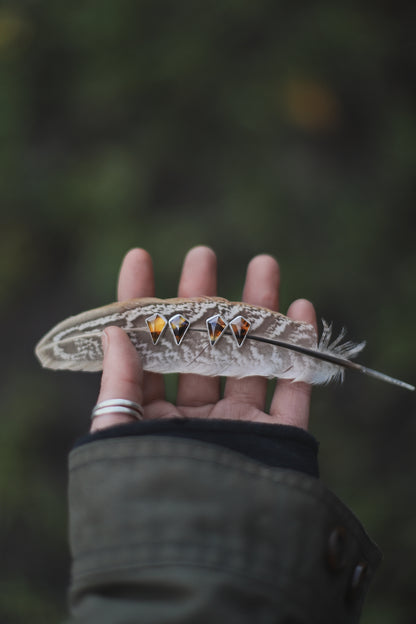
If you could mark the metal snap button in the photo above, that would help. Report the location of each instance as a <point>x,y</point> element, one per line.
<point>336,549</point>
<point>357,580</point>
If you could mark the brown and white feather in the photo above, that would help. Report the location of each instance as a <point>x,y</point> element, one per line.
<point>75,344</point>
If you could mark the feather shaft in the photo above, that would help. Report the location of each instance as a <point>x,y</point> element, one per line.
<point>339,361</point>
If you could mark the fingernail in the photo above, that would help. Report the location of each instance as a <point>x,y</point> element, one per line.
<point>105,341</point>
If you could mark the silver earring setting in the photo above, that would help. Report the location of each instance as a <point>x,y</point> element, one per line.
<point>216,327</point>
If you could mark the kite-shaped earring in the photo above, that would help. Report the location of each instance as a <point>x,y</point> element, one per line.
<point>216,326</point>
<point>240,327</point>
<point>179,325</point>
<point>157,324</point>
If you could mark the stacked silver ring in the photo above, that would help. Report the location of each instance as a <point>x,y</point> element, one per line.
<point>118,406</point>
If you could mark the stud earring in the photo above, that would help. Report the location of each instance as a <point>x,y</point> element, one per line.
<point>179,325</point>
<point>240,327</point>
<point>157,325</point>
<point>216,327</point>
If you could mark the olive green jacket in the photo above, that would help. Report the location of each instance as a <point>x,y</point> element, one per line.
<point>173,531</point>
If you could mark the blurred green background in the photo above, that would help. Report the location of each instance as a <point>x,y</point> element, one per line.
<point>248,126</point>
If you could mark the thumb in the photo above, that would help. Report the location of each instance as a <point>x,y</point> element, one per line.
<point>122,376</point>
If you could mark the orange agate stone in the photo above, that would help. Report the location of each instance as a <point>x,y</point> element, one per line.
<point>239,327</point>
<point>216,326</point>
<point>156,324</point>
<point>179,326</point>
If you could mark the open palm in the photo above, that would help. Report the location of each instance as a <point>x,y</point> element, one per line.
<point>197,396</point>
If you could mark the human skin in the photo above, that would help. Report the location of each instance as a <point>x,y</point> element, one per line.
<point>197,396</point>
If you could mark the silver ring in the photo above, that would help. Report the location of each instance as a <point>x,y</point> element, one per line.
<point>118,406</point>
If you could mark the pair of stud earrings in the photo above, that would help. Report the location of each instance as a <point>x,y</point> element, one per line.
<point>179,325</point>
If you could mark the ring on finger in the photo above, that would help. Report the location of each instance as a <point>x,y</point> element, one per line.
<point>118,406</point>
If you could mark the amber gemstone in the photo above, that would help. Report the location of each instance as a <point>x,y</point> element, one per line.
<point>239,327</point>
<point>216,326</point>
<point>179,326</point>
<point>156,324</point>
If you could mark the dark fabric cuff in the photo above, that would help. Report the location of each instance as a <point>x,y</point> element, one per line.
<point>281,446</point>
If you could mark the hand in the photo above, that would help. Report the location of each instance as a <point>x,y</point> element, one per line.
<point>197,396</point>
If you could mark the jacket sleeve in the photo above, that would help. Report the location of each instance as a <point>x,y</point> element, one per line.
<point>169,530</point>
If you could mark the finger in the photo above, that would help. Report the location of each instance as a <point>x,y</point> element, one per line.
<point>198,277</point>
<point>261,288</point>
<point>122,376</point>
<point>290,402</point>
<point>136,279</point>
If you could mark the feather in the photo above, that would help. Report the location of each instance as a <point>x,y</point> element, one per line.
<point>273,346</point>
